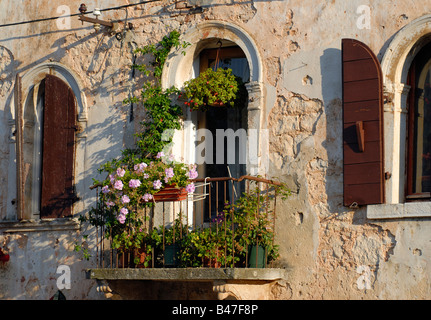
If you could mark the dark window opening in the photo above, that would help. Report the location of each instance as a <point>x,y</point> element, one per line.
<point>224,118</point>
<point>419,127</point>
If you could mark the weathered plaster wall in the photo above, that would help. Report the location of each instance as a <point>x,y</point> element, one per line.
<point>332,251</point>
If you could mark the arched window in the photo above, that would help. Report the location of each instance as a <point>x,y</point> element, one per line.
<point>404,71</point>
<point>48,149</point>
<point>226,125</point>
<point>419,126</point>
<point>240,49</point>
<point>50,135</point>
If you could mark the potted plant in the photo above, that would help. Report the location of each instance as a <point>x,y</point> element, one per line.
<point>213,246</point>
<point>131,186</point>
<point>213,88</point>
<point>169,241</point>
<point>255,229</point>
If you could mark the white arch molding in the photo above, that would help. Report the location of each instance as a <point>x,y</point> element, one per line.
<point>179,68</point>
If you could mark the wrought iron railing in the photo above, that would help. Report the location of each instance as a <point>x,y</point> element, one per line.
<point>216,226</point>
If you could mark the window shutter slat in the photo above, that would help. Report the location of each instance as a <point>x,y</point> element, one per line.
<point>362,102</point>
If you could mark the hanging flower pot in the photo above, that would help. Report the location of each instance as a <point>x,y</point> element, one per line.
<point>212,88</point>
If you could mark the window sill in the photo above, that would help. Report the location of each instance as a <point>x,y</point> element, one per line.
<point>418,209</point>
<point>65,224</point>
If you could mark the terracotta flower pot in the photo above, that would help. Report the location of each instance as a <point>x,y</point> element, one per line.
<point>213,262</point>
<point>170,193</point>
<point>142,255</point>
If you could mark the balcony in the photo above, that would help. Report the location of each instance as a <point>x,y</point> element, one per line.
<point>219,240</point>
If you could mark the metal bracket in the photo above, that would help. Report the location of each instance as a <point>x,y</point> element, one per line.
<point>360,132</point>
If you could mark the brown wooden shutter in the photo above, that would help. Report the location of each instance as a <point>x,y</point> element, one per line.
<point>57,194</point>
<point>363,125</point>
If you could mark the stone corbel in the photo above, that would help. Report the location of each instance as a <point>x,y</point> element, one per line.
<point>225,291</point>
<point>255,95</point>
<point>251,290</point>
<point>103,287</point>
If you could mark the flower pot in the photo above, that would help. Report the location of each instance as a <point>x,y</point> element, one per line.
<point>140,258</point>
<point>170,193</point>
<point>256,257</point>
<point>171,255</point>
<point>217,103</point>
<point>213,262</point>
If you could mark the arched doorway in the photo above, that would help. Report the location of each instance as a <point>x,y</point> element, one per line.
<point>240,53</point>
<point>181,67</point>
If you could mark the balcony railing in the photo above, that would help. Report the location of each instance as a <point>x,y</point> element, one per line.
<point>222,224</point>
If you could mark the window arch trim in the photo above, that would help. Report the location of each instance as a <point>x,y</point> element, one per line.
<point>179,68</point>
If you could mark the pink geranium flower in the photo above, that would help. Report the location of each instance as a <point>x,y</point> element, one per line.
<point>118,185</point>
<point>140,167</point>
<point>109,203</point>
<point>193,174</point>
<point>147,197</point>
<point>160,154</point>
<point>122,215</point>
<point>134,183</point>
<point>190,188</point>
<point>121,172</point>
<point>169,172</point>
<point>157,184</point>
<point>125,199</point>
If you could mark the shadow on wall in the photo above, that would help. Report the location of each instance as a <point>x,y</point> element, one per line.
<point>332,93</point>
<point>105,66</point>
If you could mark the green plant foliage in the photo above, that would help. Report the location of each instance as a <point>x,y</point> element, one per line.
<point>162,115</point>
<point>160,53</point>
<point>219,87</point>
<point>140,172</point>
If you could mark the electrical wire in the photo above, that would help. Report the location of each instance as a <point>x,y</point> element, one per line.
<point>77,14</point>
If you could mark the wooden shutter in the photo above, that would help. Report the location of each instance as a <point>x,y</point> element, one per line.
<point>363,125</point>
<point>57,194</point>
